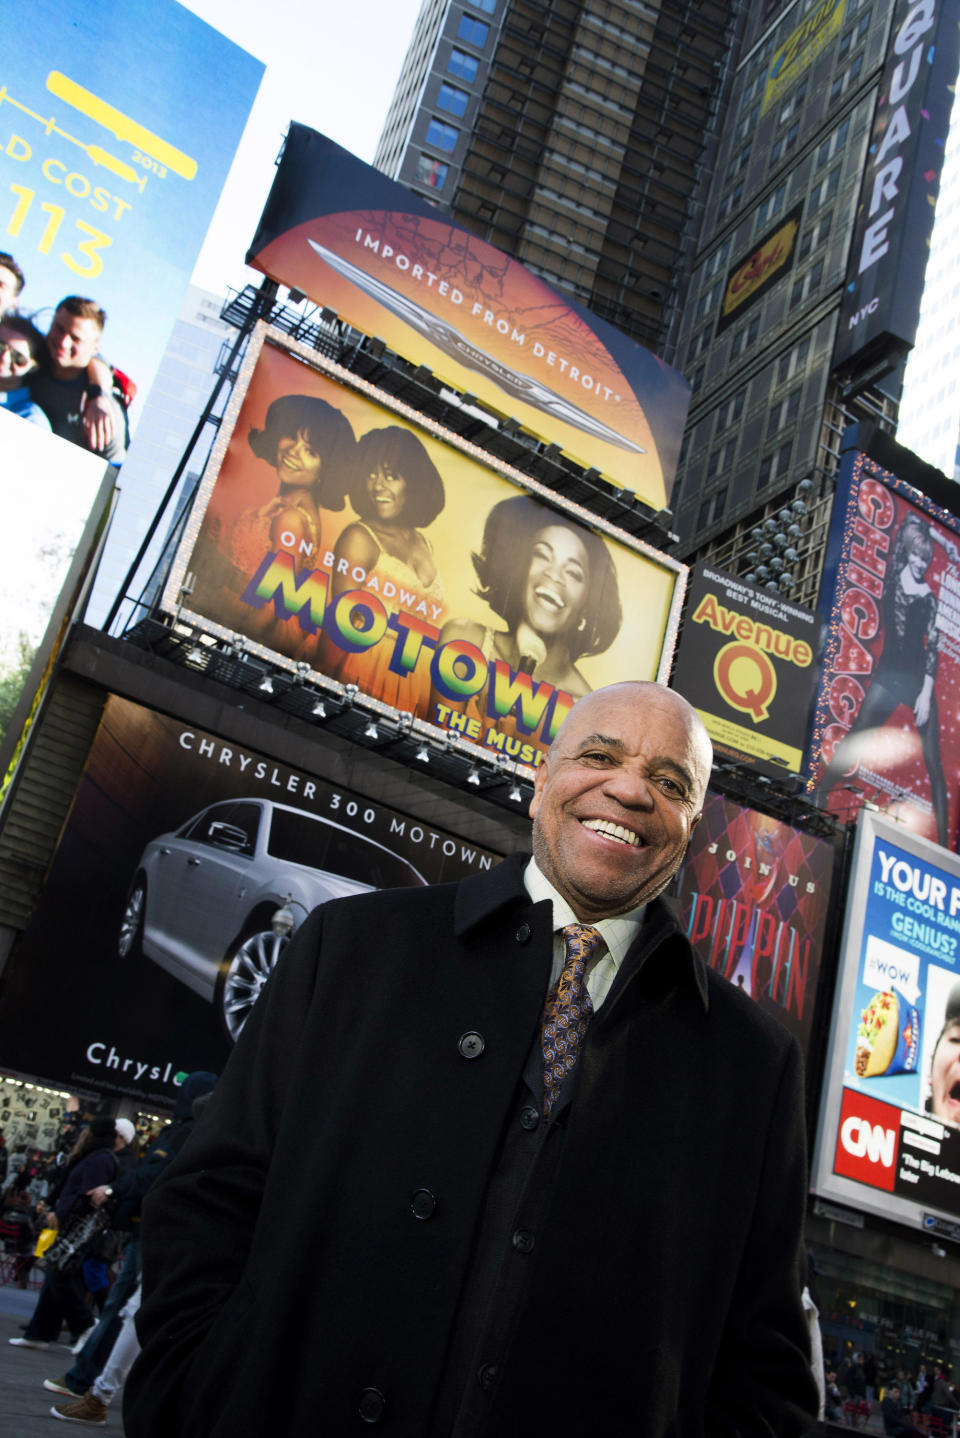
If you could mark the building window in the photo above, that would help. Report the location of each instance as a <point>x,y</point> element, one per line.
<point>774,465</point>
<point>462,65</point>
<point>843,82</point>
<point>739,161</point>
<point>825,191</point>
<point>747,125</point>
<point>443,137</point>
<point>706,302</point>
<point>784,413</point>
<point>785,143</point>
<point>815,236</point>
<point>836,142</point>
<point>717,260</point>
<point>808,285</point>
<point>730,412</point>
<point>474,32</point>
<point>721,459</point>
<point>771,206</point>
<point>745,338</point>
<point>711,509</point>
<point>431,172</point>
<point>730,200</point>
<point>792,105</point>
<point>452,99</point>
<point>487,7</point>
<point>794,361</point>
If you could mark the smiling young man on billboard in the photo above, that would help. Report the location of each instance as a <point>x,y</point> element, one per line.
<point>493,1158</point>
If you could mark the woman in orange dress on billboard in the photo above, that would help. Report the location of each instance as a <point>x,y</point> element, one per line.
<point>396,491</point>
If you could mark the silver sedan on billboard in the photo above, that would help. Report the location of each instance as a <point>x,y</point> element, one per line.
<point>203,898</point>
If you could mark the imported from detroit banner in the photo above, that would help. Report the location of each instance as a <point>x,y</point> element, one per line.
<point>399,268</point>
<point>336,529</point>
<point>753,894</point>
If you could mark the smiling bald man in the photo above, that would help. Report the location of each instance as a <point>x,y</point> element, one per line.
<point>498,1158</point>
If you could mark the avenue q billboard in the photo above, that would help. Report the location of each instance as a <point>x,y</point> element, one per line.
<point>877,323</point>
<point>753,895</point>
<point>886,730</point>
<point>179,847</point>
<point>118,124</point>
<point>337,529</point>
<point>747,662</point>
<point>889,1132</point>
<point>400,269</point>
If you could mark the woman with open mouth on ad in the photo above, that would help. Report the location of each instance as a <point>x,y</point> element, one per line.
<point>553,583</point>
<point>396,491</point>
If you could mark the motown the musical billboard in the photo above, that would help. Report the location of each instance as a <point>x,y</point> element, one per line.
<point>400,269</point>
<point>889,1133</point>
<point>339,530</point>
<point>887,724</point>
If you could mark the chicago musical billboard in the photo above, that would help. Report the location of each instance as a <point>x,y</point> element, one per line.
<point>336,528</point>
<point>887,725</point>
<point>889,1131</point>
<point>753,894</point>
<point>153,938</point>
<point>399,268</point>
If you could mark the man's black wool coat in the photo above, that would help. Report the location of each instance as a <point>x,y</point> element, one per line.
<point>290,1289</point>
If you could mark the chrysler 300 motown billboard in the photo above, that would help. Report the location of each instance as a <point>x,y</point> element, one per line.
<point>153,937</point>
<point>337,529</point>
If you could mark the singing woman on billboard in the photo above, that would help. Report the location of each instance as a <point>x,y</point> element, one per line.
<point>553,583</point>
<point>396,491</point>
<point>906,669</point>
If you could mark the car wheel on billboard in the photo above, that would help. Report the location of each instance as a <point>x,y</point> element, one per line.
<point>130,938</point>
<point>244,973</point>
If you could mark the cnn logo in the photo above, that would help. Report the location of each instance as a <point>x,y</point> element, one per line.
<point>867,1140</point>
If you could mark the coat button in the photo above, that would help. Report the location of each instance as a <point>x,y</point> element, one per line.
<point>529,1118</point>
<point>523,1240</point>
<point>371,1406</point>
<point>486,1376</point>
<point>523,934</point>
<point>423,1204</point>
<point>471,1044</point>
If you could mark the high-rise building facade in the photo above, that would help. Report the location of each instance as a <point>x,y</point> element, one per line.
<point>757,331</point>
<point>572,134</point>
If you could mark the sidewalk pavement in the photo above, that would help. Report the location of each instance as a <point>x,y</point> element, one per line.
<point>24,1402</point>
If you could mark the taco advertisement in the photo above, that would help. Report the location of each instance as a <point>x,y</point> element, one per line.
<point>891,1111</point>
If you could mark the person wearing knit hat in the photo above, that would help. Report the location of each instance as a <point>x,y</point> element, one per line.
<point>125,1129</point>
<point>62,1297</point>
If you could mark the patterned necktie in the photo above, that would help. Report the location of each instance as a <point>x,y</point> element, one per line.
<point>567,1012</point>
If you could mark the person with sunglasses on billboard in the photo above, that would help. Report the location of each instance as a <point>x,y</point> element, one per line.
<point>22,351</point>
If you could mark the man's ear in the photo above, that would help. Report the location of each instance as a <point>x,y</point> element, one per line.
<point>540,778</point>
<point>696,821</point>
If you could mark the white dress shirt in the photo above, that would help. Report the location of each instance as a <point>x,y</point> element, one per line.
<point>617,933</point>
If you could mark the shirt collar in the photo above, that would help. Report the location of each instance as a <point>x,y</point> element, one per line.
<point>618,933</point>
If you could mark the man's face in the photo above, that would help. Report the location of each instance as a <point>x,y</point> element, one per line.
<point>9,289</point>
<point>72,342</point>
<point>618,796</point>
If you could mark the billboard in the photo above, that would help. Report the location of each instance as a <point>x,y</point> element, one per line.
<point>878,315</point>
<point>753,896</point>
<point>889,1132</point>
<point>152,937</point>
<point>337,529</point>
<point>746,662</point>
<point>886,730</point>
<point>116,135</point>
<point>401,269</point>
<point>752,276</point>
<point>801,47</point>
